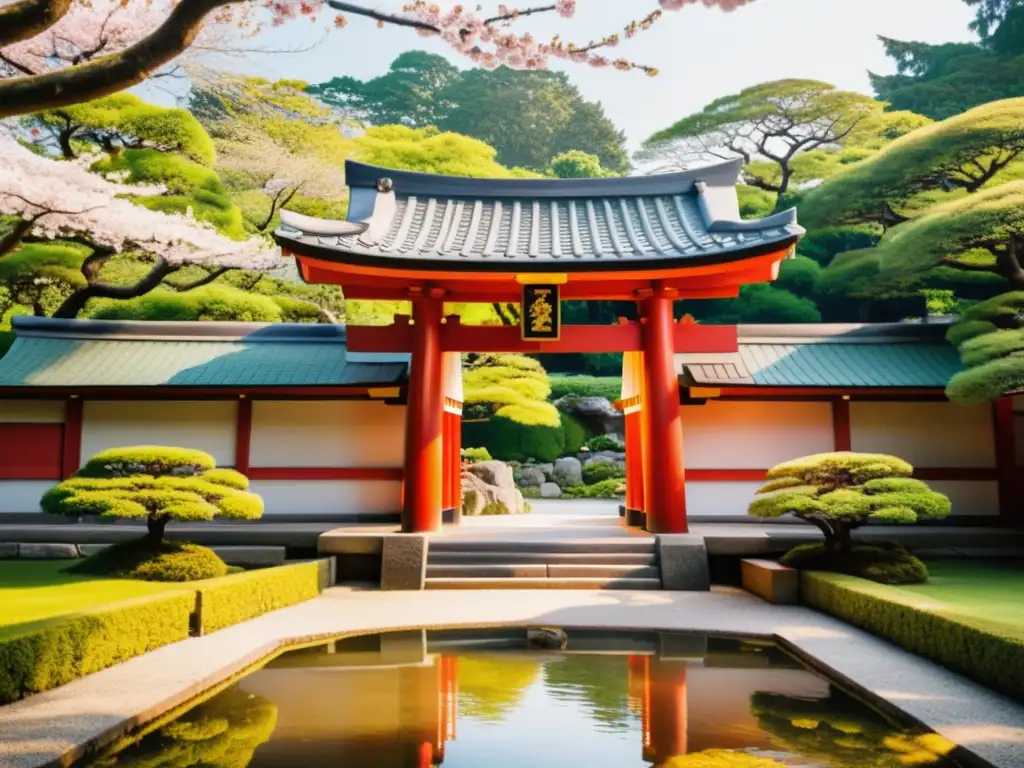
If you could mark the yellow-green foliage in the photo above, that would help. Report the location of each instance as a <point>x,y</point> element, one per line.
<point>990,338</point>
<point>513,386</point>
<point>51,653</point>
<point>130,118</point>
<point>989,652</point>
<point>153,482</point>
<point>190,185</point>
<point>208,302</point>
<point>429,151</point>
<point>223,732</point>
<point>916,163</point>
<point>848,488</point>
<point>240,597</point>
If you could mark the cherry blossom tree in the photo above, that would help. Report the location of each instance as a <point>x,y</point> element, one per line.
<point>61,52</point>
<point>49,199</point>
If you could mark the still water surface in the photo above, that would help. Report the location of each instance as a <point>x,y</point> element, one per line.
<point>388,701</point>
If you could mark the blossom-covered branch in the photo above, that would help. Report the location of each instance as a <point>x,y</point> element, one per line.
<point>92,48</point>
<point>63,199</point>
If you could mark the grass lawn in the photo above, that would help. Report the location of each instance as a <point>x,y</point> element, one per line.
<point>992,590</point>
<point>34,590</point>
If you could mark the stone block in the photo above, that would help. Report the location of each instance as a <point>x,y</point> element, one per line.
<point>404,561</point>
<point>251,556</point>
<point>47,551</point>
<point>8,549</point>
<point>88,550</point>
<point>684,562</point>
<point>771,581</point>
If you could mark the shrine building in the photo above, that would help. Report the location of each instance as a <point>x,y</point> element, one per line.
<point>365,421</point>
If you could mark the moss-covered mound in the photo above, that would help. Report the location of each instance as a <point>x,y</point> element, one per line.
<point>886,563</point>
<point>154,561</point>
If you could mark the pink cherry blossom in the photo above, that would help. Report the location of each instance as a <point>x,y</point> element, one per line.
<point>64,198</point>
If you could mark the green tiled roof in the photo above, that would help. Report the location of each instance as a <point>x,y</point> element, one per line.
<point>879,355</point>
<point>87,353</point>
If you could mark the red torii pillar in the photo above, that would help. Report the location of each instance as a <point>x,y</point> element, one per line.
<point>424,434</point>
<point>663,468</point>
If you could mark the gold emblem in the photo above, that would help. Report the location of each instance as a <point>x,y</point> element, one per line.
<point>540,317</point>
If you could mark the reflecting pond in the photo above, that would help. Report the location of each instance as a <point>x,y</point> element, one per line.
<point>473,699</point>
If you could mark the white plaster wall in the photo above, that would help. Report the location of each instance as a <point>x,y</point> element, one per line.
<point>326,433</point>
<point>925,434</point>
<point>205,426</point>
<point>754,435</point>
<point>719,498</point>
<point>328,496</point>
<point>22,495</point>
<point>31,411</point>
<point>970,497</point>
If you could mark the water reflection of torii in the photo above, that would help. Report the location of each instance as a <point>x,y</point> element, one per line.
<point>408,706</point>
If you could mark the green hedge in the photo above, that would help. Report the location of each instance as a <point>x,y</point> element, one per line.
<point>986,651</point>
<point>57,651</point>
<point>508,440</point>
<point>586,386</point>
<point>238,598</point>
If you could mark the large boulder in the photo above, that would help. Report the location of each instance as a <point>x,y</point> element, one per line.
<point>493,473</point>
<point>596,412</point>
<point>568,471</point>
<point>550,491</point>
<point>529,477</point>
<point>490,482</point>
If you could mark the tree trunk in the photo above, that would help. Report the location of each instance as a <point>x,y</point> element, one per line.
<point>842,536</point>
<point>64,139</point>
<point>155,526</point>
<point>825,528</point>
<point>25,19</point>
<point>76,302</point>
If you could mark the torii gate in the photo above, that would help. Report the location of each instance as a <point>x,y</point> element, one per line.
<point>434,240</point>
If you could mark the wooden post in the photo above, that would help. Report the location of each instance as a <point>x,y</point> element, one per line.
<point>424,444</point>
<point>841,425</point>
<point>71,450</point>
<point>243,435</point>
<point>455,452</point>
<point>1011,488</point>
<point>664,473</point>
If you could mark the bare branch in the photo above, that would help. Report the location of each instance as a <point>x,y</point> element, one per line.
<point>205,280</point>
<point>25,19</point>
<point>111,73</point>
<point>386,18</point>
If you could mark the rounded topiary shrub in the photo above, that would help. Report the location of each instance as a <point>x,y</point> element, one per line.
<point>156,484</point>
<point>839,492</point>
<point>508,440</point>
<point>154,561</point>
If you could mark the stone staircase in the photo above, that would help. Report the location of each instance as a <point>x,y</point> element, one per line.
<point>464,564</point>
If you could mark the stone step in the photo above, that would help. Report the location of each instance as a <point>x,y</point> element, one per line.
<point>498,571</point>
<point>492,571</point>
<point>558,583</point>
<point>639,545</point>
<point>544,558</point>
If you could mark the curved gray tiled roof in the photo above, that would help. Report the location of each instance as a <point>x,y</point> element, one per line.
<point>108,353</point>
<point>548,223</point>
<point>890,355</point>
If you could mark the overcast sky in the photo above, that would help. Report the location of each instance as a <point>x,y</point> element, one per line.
<point>702,53</point>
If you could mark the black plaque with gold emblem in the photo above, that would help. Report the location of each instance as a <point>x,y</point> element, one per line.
<point>541,313</point>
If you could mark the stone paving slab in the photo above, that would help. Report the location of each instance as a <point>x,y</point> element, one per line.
<point>55,725</point>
